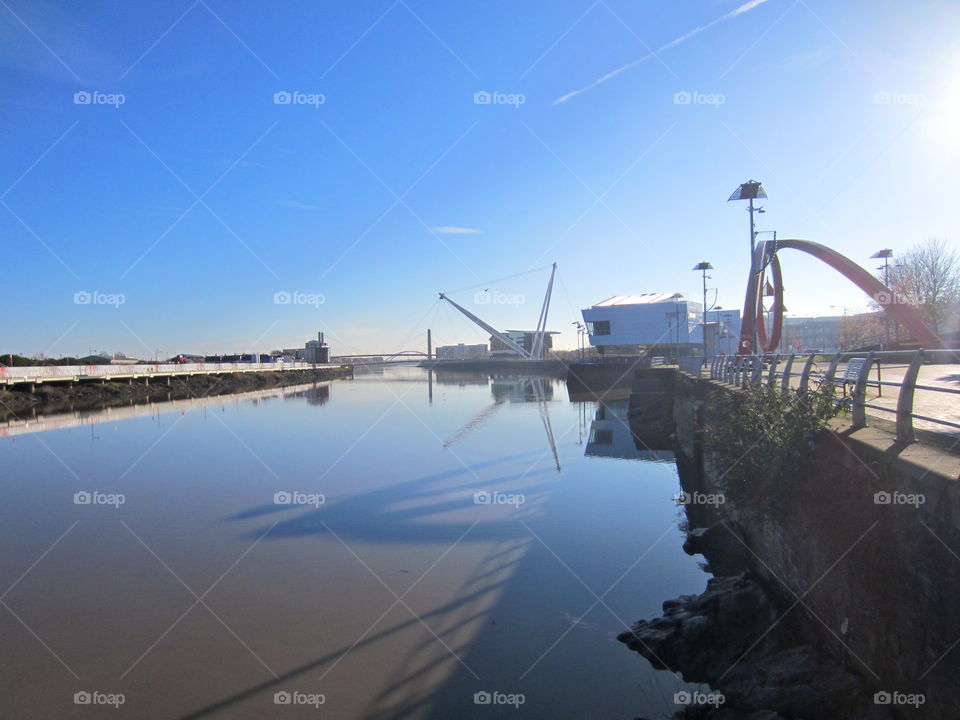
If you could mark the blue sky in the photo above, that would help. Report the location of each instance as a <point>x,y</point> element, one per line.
<point>200,197</point>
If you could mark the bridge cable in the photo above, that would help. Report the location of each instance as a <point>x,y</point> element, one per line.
<point>433,306</point>
<point>490,282</point>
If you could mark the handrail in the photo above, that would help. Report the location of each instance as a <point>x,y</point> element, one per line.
<point>40,373</point>
<point>743,370</point>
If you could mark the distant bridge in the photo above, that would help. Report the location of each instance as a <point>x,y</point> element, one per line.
<point>380,358</point>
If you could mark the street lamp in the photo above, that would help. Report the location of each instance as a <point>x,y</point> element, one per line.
<point>885,254</point>
<point>844,329</point>
<point>719,332</point>
<point>676,320</point>
<point>703,266</point>
<point>580,332</point>
<point>752,190</point>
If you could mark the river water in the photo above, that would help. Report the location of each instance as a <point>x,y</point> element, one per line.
<point>392,546</point>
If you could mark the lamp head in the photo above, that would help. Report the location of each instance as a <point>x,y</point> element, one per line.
<point>750,190</point>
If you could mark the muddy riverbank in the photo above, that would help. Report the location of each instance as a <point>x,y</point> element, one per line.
<point>56,397</point>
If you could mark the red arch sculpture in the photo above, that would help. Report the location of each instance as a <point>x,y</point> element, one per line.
<point>766,253</point>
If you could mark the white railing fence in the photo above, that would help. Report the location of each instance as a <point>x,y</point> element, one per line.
<point>744,370</point>
<point>48,372</point>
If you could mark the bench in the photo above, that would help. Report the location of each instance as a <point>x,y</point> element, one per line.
<point>656,361</point>
<point>852,373</point>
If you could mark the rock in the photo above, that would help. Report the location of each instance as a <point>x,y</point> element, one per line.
<point>734,637</point>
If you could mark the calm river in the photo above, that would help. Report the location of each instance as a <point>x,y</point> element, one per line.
<point>382,547</point>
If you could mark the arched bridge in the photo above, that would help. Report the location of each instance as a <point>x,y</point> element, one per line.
<point>381,358</point>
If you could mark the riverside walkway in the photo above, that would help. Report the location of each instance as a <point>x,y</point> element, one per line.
<point>908,389</point>
<point>36,375</point>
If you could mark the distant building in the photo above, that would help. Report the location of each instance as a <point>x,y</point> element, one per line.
<point>623,323</point>
<point>118,359</point>
<point>812,333</point>
<point>523,338</point>
<point>461,352</point>
<point>95,360</point>
<point>316,351</point>
<point>313,351</point>
<point>722,331</point>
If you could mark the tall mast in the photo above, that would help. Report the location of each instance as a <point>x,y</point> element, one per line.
<point>542,322</point>
<point>489,328</point>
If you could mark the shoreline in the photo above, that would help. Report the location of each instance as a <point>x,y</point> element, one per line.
<point>48,399</point>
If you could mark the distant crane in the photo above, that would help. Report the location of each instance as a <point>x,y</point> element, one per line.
<point>536,351</point>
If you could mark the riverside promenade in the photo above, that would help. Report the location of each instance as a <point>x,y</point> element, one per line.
<point>37,375</point>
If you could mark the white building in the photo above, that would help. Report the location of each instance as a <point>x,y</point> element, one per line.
<point>461,351</point>
<point>650,319</point>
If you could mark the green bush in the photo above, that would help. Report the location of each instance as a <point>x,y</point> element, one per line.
<point>762,433</point>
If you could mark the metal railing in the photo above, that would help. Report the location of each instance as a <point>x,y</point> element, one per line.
<point>42,373</point>
<point>745,370</point>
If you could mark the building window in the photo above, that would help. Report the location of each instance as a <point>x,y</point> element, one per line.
<point>603,437</point>
<point>598,327</point>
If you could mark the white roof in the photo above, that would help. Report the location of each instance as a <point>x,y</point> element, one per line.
<point>644,299</point>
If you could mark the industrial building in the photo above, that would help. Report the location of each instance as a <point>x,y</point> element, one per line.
<point>313,351</point>
<point>523,338</point>
<point>461,352</point>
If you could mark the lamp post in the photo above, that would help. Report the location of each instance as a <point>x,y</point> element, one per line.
<point>703,266</point>
<point>885,254</point>
<point>844,329</point>
<point>719,332</point>
<point>580,332</point>
<point>751,190</point>
<point>676,321</point>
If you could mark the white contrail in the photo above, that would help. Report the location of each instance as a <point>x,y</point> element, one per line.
<point>746,7</point>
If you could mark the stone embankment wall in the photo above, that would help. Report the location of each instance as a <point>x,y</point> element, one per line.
<point>858,549</point>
